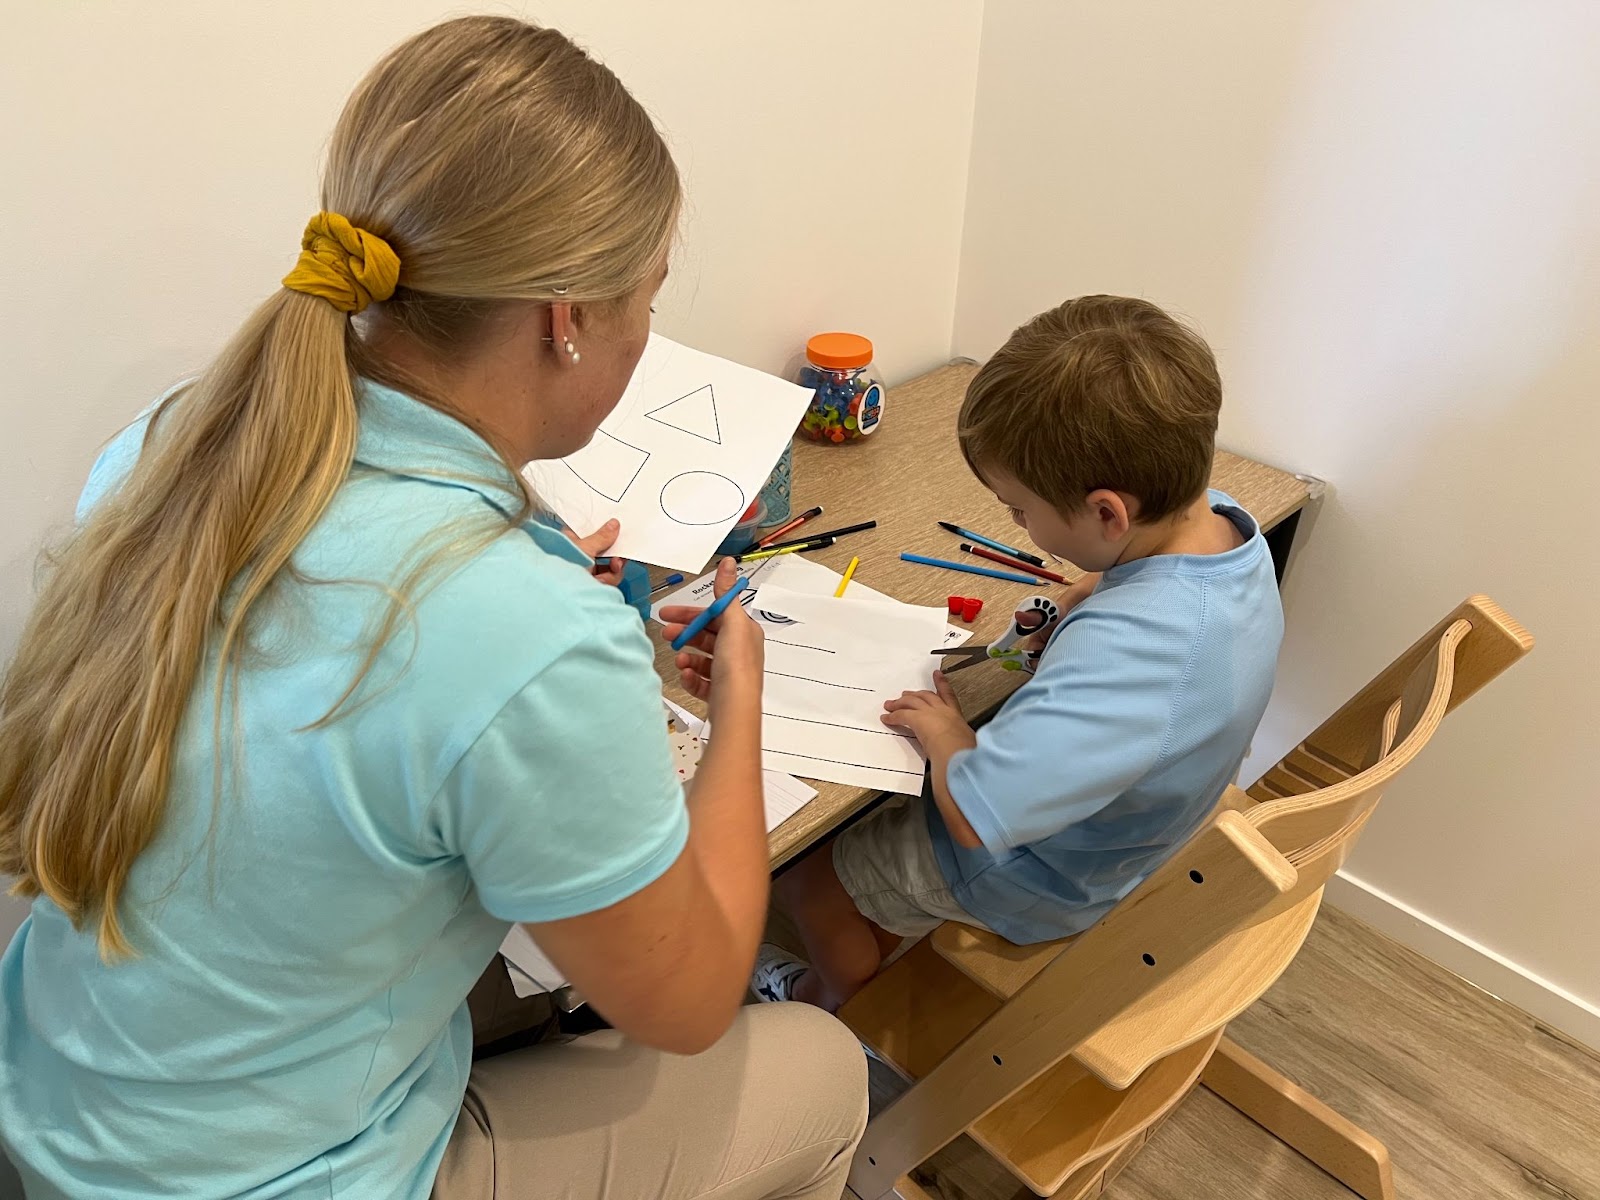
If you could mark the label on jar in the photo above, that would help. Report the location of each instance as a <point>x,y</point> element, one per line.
<point>871,410</point>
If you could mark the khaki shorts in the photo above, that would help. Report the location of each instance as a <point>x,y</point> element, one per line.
<point>887,864</point>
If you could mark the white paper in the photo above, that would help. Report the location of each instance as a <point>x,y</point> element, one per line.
<point>680,458</point>
<point>523,985</point>
<point>831,664</point>
<point>782,795</point>
<point>795,574</point>
<point>524,954</point>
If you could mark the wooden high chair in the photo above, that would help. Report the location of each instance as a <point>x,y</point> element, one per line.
<point>1061,1059</point>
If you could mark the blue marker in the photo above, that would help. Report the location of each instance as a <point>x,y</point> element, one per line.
<point>697,626</point>
<point>1020,555</point>
<point>970,570</point>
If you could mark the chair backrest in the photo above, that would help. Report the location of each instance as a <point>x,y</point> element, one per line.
<point>1211,929</point>
<point>1313,804</point>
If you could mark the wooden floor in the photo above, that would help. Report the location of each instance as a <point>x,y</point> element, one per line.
<point>1475,1100</point>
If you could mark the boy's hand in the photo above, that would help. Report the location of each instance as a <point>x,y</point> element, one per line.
<point>733,642</point>
<point>933,718</point>
<point>595,546</point>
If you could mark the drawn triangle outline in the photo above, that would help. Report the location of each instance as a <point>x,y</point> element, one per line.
<point>698,416</point>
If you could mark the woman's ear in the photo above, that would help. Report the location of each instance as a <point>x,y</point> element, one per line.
<point>564,332</point>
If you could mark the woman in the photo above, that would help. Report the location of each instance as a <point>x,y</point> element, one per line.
<point>311,709</point>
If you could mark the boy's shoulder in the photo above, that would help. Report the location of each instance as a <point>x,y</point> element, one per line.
<point>1158,609</point>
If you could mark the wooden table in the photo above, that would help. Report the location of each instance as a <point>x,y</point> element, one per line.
<point>909,475</point>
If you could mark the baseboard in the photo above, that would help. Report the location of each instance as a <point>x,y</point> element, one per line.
<point>1546,1002</point>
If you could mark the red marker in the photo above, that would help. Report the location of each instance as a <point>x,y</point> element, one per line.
<point>790,525</point>
<point>1018,564</point>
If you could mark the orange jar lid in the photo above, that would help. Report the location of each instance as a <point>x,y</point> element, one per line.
<point>839,351</point>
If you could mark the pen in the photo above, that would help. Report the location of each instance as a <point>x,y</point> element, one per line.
<point>992,544</point>
<point>675,577</point>
<point>697,626</point>
<point>1005,560</point>
<point>826,533</point>
<point>819,543</point>
<point>793,523</point>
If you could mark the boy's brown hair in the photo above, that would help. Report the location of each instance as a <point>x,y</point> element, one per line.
<point>1102,392</point>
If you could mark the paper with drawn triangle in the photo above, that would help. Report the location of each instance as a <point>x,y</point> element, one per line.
<point>695,413</point>
<point>648,463</point>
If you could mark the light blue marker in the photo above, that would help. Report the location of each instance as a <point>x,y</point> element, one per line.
<point>970,570</point>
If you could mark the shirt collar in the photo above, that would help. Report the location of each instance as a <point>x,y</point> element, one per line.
<point>1250,548</point>
<point>403,436</point>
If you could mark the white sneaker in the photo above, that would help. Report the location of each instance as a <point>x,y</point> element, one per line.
<point>775,973</point>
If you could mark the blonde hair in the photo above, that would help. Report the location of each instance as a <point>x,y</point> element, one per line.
<point>501,163</point>
<point>1101,392</point>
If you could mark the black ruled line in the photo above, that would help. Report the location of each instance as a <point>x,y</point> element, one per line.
<point>837,725</point>
<point>864,766</point>
<point>772,641</point>
<point>822,682</point>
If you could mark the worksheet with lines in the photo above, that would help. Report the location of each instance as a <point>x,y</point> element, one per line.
<point>831,663</point>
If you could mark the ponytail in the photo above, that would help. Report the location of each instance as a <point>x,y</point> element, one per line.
<point>236,469</point>
<point>502,164</point>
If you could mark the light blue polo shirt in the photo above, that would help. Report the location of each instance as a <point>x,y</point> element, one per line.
<point>295,1024</point>
<point>1101,764</point>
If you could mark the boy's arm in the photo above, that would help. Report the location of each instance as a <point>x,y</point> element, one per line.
<point>955,821</point>
<point>936,721</point>
<point>1089,724</point>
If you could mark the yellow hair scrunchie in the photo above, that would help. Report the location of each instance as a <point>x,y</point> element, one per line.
<point>346,266</point>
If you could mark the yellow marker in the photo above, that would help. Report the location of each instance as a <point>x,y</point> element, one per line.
<point>755,554</point>
<point>848,571</point>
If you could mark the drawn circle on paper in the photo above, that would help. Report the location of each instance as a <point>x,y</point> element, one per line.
<point>701,498</point>
<point>775,618</point>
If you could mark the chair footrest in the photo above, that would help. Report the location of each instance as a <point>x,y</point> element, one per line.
<point>1063,1134</point>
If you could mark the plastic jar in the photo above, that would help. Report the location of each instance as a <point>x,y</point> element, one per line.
<point>635,587</point>
<point>847,397</point>
<point>744,531</point>
<point>775,493</point>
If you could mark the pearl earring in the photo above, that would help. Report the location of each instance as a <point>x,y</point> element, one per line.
<point>573,351</point>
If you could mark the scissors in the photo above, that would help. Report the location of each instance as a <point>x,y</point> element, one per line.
<point>1032,615</point>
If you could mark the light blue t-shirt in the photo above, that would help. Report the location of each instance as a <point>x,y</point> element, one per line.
<point>295,1024</point>
<point>1101,764</point>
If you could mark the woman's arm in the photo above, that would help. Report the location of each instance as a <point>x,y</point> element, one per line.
<point>669,965</point>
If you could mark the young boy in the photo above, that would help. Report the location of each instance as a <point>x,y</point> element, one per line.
<point>1094,424</point>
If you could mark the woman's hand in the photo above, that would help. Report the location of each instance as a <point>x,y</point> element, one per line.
<point>595,546</point>
<point>933,718</point>
<point>731,654</point>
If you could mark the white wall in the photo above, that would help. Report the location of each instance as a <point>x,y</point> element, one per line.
<point>161,160</point>
<point>1383,215</point>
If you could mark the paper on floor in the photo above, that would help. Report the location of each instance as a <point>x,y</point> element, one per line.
<point>680,458</point>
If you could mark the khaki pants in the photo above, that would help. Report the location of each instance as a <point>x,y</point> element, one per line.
<point>774,1109</point>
